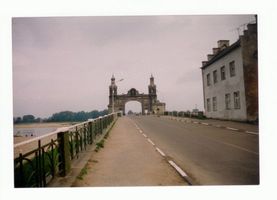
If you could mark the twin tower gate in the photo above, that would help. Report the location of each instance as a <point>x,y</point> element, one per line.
<point>149,102</point>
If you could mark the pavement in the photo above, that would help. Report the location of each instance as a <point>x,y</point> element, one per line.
<point>128,158</point>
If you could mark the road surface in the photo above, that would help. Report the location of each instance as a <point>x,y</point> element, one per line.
<point>209,155</point>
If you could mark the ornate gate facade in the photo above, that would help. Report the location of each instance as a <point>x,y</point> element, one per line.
<point>148,101</point>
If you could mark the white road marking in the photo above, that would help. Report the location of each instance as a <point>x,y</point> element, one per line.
<point>241,148</point>
<point>236,146</point>
<point>179,170</point>
<point>151,141</point>
<point>250,132</point>
<point>160,151</point>
<point>233,129</point>
<point>136,126</point>
<point>140,131</point>
<point>196,122</point>
<point>205,124</point>
<point>144,135</point>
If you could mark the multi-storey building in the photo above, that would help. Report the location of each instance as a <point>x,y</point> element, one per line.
<point>230,79</point>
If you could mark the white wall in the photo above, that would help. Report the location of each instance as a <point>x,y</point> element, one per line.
<point>229,85</point>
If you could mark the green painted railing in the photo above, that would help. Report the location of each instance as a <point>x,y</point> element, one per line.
<point>37,167</point>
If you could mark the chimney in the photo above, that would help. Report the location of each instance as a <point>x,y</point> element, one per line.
<point>210,56</point>
<point>252,28</point>
<point>222,44</point>
<point>204,63</point>
<point>216,50</point>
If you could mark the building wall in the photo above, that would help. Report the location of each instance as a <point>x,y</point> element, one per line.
<point>250,65</point>
<point>159,109</point>
<point>229,85</point>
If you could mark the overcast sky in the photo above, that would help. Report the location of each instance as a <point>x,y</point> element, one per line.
<point>66,63</point>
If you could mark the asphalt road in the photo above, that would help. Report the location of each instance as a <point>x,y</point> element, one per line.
<point>209,155</point>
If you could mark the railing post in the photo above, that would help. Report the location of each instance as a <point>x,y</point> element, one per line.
<point>101,125</point>
<point>90,132</point>
<point>21,172</point>
<point>63,138</point>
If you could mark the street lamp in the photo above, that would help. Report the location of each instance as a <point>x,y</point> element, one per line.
<point>113,95</point>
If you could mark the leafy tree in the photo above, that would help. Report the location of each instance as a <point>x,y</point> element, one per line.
<point>76,116</point>
<point>64,116</point>
<point>28,118</point>
<point>17,120</point>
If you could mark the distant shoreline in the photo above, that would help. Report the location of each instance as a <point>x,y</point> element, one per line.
<point>44,124</point>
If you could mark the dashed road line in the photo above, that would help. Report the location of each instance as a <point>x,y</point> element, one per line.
<point>241,148</point>
<point>178,169</point>
<point>233,129</point>
<point>250,132</point>
<point>151,142</point>
<point>219,126</point>
<point>172,163</point>
<point>160,151</point>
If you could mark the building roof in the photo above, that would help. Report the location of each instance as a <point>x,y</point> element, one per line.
<point>222,53</point>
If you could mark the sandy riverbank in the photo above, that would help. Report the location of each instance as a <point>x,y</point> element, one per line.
<point>53,125</point>
<point>44,125</point>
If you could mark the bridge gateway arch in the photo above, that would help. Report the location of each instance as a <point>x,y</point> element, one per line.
<point>148,101</point>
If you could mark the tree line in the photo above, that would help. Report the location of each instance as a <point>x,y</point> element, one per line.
<point>64,116</point>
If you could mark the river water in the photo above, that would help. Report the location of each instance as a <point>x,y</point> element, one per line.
<point>35,132</point>
<point>37,129</point>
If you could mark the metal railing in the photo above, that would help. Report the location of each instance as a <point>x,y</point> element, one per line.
<point>51,158</point>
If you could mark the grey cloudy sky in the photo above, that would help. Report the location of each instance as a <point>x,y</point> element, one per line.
<point>65,63</point>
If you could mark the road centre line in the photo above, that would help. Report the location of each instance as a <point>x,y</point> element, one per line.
<point>179,170</point>
<point>140,131</point>
<point>136,125</point>
<point>250,132</point>
<point>241,148</point>
<point>205,124</point>
<point>151,142</point>
<point>160,151</point>
<point>233,129</point>
<point>172,163</point>
<point>220,126</point>
<point>236,146</point>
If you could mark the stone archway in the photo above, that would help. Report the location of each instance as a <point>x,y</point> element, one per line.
<point>148,101</point>
<point>132,95</point>
<point>134,104</point>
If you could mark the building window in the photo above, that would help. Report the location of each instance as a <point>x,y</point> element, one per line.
<point>232,68</point>
<point>228,101</point>
<point>208,79</point>
<point>222,72</point>
<point>208,104</point>
<point>215,76</point>
<point>236,100</point>
<point>214,104</point>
